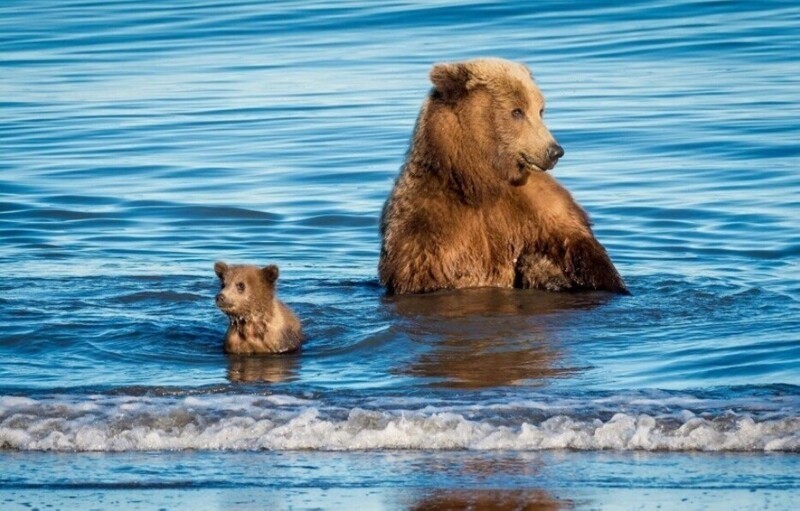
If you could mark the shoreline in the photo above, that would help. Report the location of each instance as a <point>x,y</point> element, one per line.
<point>399,480</point>
<point>400,499</point>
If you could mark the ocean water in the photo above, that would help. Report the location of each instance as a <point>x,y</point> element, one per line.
<point>142,141</point>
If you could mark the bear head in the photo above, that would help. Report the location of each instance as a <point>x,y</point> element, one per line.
<point>245,290</point>
<point>486,116</point>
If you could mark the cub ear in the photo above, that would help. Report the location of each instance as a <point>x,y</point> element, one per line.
<point>220,268</point>
<point>451,80</point>
<point>270,273</point>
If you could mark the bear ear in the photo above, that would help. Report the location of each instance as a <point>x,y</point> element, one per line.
<point>220,268</point>
<point>450,80</point>
<point>270,273</point>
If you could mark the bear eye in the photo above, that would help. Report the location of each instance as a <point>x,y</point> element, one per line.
<point>518,114</point>
<point>240,287</point>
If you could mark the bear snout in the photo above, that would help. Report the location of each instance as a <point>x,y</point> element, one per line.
<point>554,152</point>
<point>220,298</point>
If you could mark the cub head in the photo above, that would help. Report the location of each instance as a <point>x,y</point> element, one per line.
<point>490,111</point>
<point>245,290</point>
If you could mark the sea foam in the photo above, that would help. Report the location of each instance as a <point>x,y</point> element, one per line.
<point>109,423</point>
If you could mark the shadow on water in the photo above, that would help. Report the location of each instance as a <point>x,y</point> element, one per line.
<point>481,338</point>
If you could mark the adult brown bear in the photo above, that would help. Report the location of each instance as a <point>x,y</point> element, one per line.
<point>474,206</point>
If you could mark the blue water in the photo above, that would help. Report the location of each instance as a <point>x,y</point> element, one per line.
<point>142,141</point>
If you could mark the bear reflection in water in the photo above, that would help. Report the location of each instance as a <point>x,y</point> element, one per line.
<point>488,337</point>
<point>489,500</point>
<point>266,369</point>
<point>496,473</point>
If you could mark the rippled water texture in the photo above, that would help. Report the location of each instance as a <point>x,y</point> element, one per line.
<point>142,141</point>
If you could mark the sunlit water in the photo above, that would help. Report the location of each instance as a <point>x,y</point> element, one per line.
<point>142,141</point>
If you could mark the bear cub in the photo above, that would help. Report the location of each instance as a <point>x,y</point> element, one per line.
<point>259,322</point>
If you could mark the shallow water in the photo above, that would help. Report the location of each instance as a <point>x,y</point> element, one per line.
<point>143,141</point>
<point>396,480</point>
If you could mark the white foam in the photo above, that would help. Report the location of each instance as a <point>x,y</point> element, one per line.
<point>217,422</point>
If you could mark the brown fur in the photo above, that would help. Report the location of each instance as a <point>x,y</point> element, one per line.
<point>474,206</point>
<point>259,322</point>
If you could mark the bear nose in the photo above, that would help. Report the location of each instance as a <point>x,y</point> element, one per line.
<point>554,152</point>
<point>220,298</point>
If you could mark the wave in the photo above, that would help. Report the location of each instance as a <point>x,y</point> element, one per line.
<point>279,422</point>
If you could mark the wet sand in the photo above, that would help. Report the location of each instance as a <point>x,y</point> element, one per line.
<point>411,480</point>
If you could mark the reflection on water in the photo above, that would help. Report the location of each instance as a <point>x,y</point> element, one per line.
<point>489,500</point>
<point>488,471</point>
<point>484,467</point>
<point>488,362</point>
<point>464,303</point>
<point>488,337</point>
<point>271,369</point>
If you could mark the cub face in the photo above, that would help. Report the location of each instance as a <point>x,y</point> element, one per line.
<point>245,290</point>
